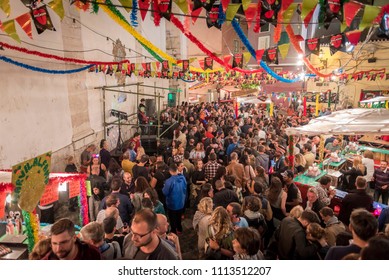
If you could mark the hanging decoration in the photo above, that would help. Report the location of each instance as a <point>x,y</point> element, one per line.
<point>185,66</point>
<point>183,5</point>
<point>317,105</point>
<point>208,63</point>
<point>157,15</point>
<point>127,5</point>
<point>231,11</point>
<point>237,61</point>
<point>269,11</point>
<point>41,19</point>
<point>32,228</point>
<point>43,70</point>
<point>307,9</point>
<point>83,204</point>
<point>57,7</point>
<point>333,10</point>
<point>336,43</point>
<point>259,55</point>
<point>350,10</point>
<point>195,13</point>
<point>213,16</point>
<point>143,8</point>
<point>250,14</point>
<point>312,46</point>
<point>284,49</point>
<point>5,7</point>
<point>10,29</point>
<point>291,151</point>
<point>271,55</point>
<point>370,13</point>
<point>134,13</point>
<point>353,37</point>
<point>25,23</point>
<point>250,48</point>
<point>257,26</point>
<point>119,18</point>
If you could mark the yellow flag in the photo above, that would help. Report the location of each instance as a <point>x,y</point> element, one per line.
<point>127,4</point>
<point>288,14</point>
<point>307,7</point>
<point>284,49</point>
<point>369,14</point>
<point>246,57</point>
<point>245,4</point>
<point>9,28</point>
<point>231,11</point>
<point>183,5</point>
<point>57,7</point>
<point>154,65</point>
<point>5,6</point>
<point>317,105</point>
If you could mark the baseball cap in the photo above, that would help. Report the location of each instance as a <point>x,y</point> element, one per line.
<point>288,173</point>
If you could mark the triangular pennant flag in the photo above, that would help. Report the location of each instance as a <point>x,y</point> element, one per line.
<point>250,14</point>
<point>307,7</point>
<point>154,66</point>
<point>308,18</point>
<point>353,37</point>
<point>143,7</point>
<point>42,19</point>
<point>25,23</point>
<point>127,5</point>
<point>185,65</point>
<point>226,59</point>
<point>288,14</point>
<point>286,4</point>
<point>183,5</point>
<point>237,61</point>
<point>284,49</point>
<point>57,7</point>
<point>5,6</point>
<point>312,46</point>
<point>343,26</point>
<point>9,28</point>
<point>246,57</point>
<point>350,10</point>
<point>369,14</point>
<point>259,54</point>
<point>208,63</point>
<point>164,8</point>
<point>195,14</point>
<point>272,55</point>
<point>231,11</point>
<point>225,5</point>
<point>336,43</point>
<point>201,62</point>
<point>245,4</point>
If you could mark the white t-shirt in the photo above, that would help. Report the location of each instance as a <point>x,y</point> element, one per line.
<point>369,164</point>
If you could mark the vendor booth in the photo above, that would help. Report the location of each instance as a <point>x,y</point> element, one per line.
<point>359,121</point>
<point>20,222</point>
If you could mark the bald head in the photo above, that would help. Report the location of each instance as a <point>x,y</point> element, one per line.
<point>162,225</point>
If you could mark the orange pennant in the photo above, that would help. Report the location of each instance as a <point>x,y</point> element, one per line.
<point>25,23</point>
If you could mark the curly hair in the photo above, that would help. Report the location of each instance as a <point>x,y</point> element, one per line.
<point>221,222</point>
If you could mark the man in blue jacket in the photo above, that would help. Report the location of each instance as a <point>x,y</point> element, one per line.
<point>175,194</point>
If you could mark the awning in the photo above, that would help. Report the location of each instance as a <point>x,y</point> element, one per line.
<point>347,122</point>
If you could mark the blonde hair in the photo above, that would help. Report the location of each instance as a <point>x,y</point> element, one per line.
<point>40,249</point>
<point>357,163</point>
<point>300,159</point>
<point>368,154</point>
<point>140,152</point>
<point>296,212</point>
<point>205,205</point>
<point>221,222</point>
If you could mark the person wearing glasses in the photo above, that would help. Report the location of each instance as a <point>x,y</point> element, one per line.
<point>143,242</point>
<point>66,246</point>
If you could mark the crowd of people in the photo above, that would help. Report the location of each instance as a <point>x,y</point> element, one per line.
<point>234,172</point>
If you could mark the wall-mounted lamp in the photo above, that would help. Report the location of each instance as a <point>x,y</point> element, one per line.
<point>323,60</point>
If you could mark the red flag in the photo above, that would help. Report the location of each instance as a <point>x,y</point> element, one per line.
<point>353,37</point>
<point>226,59</point>
<point>195,14</point>
<point>350,10</point>
<point>143,7</point>
<point>250,14</point>
<point>259,54</point>
<point>308,18</point>
<point>201,62</point>
<point>225,5</point>
<point>25,23</point>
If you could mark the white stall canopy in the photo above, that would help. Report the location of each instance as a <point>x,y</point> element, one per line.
<point>347,122</point>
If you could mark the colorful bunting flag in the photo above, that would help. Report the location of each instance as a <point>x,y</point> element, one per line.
<point>369,14</point>
<point>25,23</point>
<point>143,8</point>
<point>353,37</point>
<point>208,63</point>
<point>10,29</point>
<point>336,43</point>
<point>350,10</point>
<point>42,19</point>
<point>284,49</point>
<point>231,11</point>
<point>183,5</point>
<point>272,55</point>
<point>195,13</point>
<point>245,4</point>
<point>225,4</point>
<point>333,11</point>
<point>127,5</point>
<point>57,7</point>
<point>185,66</point>
<point>227,58</point>
<point>312,46</point>
<point>307,8</point>
<point>259,55</point>
<point>237,60</point>
<point>213,16</point>
<point>246,57</point>
<point>250,13</point>
<point>5,6</point>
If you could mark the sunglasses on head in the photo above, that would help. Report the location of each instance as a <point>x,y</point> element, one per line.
<point>95,155</point>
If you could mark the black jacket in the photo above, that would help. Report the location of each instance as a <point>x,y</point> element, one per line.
<point>356,199</point>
